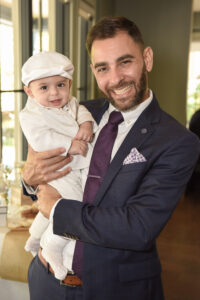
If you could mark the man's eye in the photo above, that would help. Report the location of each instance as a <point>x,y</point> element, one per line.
<point>125,62</point>
<point>101,69</point>
<point>61,84</point>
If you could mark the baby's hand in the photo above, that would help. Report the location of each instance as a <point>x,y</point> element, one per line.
<point>78,147</point>
<point>85,132</point>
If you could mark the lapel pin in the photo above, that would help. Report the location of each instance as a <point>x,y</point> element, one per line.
<point>144,130</point>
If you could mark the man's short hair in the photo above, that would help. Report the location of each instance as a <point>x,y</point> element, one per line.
<point>108,27</point>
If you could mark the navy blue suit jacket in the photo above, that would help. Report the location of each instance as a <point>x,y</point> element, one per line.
<point>133,204</point>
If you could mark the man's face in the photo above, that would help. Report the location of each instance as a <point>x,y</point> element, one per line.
<point>50,91</point>
<point>120,68</point>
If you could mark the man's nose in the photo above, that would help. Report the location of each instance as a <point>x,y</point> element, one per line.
<point>115,76</point>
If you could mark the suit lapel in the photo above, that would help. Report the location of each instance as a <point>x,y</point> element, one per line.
<point>97,108</point>
<point>141,130</point>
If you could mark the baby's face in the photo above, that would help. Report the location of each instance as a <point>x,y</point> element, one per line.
<point>50,91</point>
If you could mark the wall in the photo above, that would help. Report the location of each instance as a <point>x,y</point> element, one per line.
<point>104,8</point>
<point>166,27</point>
<point>196,27</point>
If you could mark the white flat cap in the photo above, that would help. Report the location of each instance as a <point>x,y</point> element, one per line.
<point>46,64</point>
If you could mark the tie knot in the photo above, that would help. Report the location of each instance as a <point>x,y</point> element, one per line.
<point>115,118</point>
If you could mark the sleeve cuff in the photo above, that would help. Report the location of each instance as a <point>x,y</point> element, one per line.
<point>53,210</point>
<point>29,189</point>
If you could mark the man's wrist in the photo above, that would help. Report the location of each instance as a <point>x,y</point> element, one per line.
<point>30,189</point>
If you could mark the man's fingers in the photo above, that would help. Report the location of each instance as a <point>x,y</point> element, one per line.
<point>58,163</point>
<point>53,153</point>
<point>53,164</point>
<point>51,173</point>
<point>47,154</point>
<point>43,171</point>
<point>42,167</point>
<point>56,175</point>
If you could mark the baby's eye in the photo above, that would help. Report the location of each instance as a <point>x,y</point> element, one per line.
<point>61,84</point>
<point>44,87</point>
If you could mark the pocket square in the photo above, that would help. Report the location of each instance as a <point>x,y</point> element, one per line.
<point>134,157</point>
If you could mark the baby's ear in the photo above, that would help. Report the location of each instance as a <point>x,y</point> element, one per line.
<point>70,83</point>
<point>28,91</point>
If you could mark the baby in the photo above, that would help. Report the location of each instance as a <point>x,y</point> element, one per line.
<point>51,119</point>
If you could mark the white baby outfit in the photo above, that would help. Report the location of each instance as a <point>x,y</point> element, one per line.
<point>47,128</point>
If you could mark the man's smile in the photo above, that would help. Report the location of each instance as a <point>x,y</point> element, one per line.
<point>123,90</point>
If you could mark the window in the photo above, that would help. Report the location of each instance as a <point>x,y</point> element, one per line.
<point>40,31</point>
<point>194,80</point>
<point>85,81</point>
<point>20,37</point>
<point>7,84</point>
<point>193,94</point>
<point>28,27</point>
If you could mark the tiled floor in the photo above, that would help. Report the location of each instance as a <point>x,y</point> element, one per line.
<point>179,249</point>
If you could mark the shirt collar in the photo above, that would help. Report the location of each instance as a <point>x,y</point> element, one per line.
<point>132,115</point>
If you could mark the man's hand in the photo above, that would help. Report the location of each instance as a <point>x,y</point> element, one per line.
<point>41,167</point>
<point>47,197</point>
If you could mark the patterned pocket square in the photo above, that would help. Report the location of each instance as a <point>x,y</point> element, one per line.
<point>134,157</point>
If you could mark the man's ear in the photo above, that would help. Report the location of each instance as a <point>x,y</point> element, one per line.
<point>148,58</point>
<point>28,91</point>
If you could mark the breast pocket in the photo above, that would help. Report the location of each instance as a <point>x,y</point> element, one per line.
<point>133,167</point>
<point>127,180</point>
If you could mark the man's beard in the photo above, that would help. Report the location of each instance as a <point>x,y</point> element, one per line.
<point>140,91</point>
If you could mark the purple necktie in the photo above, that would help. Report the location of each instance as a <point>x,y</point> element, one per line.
<point>99,163</point>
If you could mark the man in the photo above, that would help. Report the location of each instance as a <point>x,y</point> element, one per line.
<point>151,161</point>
